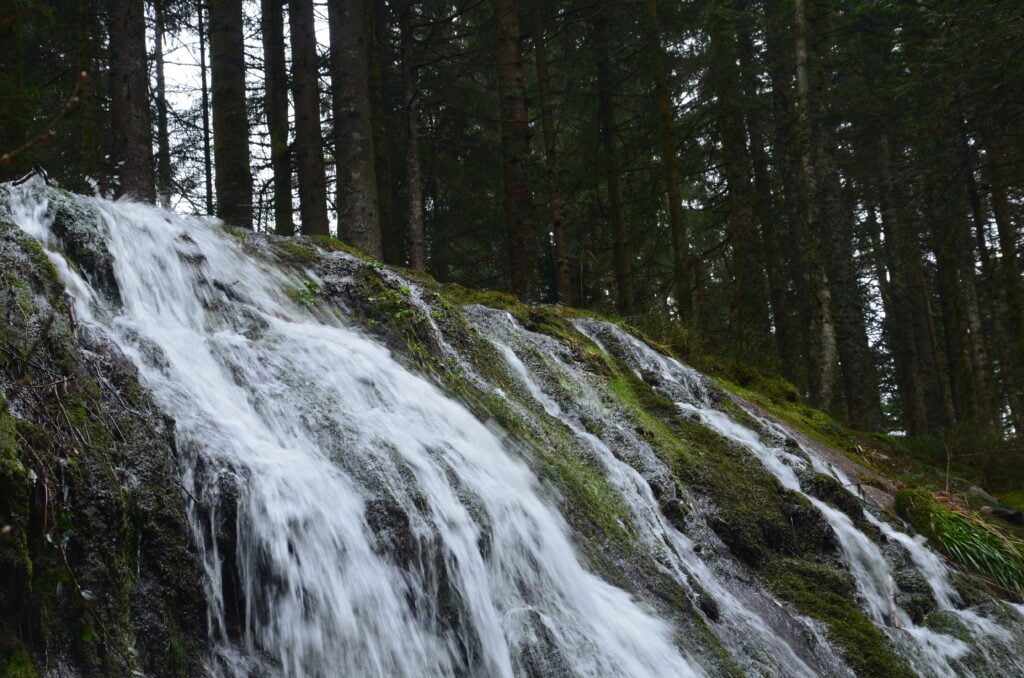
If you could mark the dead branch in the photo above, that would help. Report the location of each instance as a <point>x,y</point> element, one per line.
<point>49,130</point>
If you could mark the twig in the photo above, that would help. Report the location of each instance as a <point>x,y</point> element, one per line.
<point>11,20</point>
<point>49,132</point>
<point>191,496</point>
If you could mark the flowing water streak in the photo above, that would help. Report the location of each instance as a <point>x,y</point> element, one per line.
<point>743,631</point>
<point>932,653</point>
<point>299,427</point>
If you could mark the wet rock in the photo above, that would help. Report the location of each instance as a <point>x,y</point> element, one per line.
<point>392,528</point>
<point>102,524</point>
<point>536,654</point>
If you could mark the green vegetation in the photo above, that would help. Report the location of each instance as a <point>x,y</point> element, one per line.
<point>17,666</point>
<point>305,295</point>
<point>786,544</point>
<point>821,592</point>
<point>967,539</point>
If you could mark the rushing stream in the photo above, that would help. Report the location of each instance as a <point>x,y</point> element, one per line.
<point>353,520</point>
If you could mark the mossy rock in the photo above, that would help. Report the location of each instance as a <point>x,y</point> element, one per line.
<point>17,666</point>
<point>821,592</point>
<point>99,571</point>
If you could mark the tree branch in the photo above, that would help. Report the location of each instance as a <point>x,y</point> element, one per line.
<point>49,131</point>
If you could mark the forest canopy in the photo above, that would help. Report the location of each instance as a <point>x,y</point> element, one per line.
<point>827,190</point>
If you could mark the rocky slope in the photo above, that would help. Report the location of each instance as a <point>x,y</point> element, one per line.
<point>761,549</point>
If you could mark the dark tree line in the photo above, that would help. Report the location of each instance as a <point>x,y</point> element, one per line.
<point>833,190</point>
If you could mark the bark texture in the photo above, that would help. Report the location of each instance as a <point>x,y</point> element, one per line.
<point>275,105</point>
<point>515,144</point>
<point>230,117</point>
<point>309,157</point>
<point>129,99</point>
<point>609,140</point>
<point>682,276</point>
<point>355,160</point>
<point>556,201</point>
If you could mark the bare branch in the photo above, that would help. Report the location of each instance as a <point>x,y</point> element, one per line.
<point>49,131</point>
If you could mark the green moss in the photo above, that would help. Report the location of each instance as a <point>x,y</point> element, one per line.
<point>239,234</point>
<point>821,593</point>
<point>15,487</point>
<point>809,421</point>
<point>17,666</point>
<point>1014,499</point>
<point>297,253</point>
<point>331,244</point>
<point>304,295</point>
<point>584,486</point>
<point>776,531</point>
<point>491,298</point>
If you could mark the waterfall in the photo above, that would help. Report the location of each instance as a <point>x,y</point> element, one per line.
<point>743,628</point>
<point>380,529</point>
<point>353,517</point>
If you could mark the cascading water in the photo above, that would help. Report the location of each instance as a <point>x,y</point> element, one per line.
<point>930,652</point>
<point>379,528</point>
<point>352,519</point>
<point>745,628</point>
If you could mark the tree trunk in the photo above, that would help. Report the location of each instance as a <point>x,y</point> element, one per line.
<point>772,238</point>
<point>751,326</point>
<point>355,160</point>
<point>609,134</point>
<point>89,113</point>
<point>275,103</point>
<point>779,55</point>
<point>946,208</point>
<point>205,102</point>
<point>822,330</point>
<point>559,227</point>
<point>129,99</point>
<point>861,393</point>
<point>381,117</point>
<point>911,329</point>
<point>1009,268</point>
<point>164,171</point>
<point>230,117</point>
<point>682,275</point>
<point>986,293</point>
<point>978,344</point>
<point>309,158</point>
<point>413,172</point>
<point>515,143</point>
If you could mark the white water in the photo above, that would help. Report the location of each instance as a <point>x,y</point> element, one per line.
<point>929,652</point>
<point>310,423</point>
<point>742,629</point>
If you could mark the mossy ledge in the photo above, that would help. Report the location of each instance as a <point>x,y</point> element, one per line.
<point>776,533</point>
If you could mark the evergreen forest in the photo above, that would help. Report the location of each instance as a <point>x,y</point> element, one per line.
<point>827,191</point>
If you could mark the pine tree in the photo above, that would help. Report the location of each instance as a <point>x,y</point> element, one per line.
<point>129,100</point>
<point>354,155</point>
<point>230,118</point>
<point>309,158</point>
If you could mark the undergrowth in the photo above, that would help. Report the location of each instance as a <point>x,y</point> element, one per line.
<point>967,539</point>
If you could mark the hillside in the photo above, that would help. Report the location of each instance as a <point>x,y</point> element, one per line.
<point>253,455</point>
